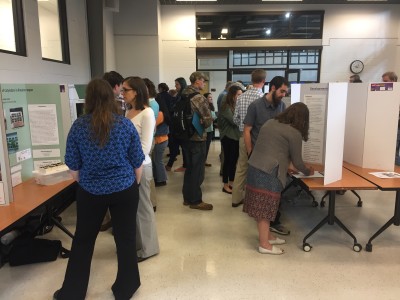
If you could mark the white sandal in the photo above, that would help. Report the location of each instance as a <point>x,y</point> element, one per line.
<point>273,251</point>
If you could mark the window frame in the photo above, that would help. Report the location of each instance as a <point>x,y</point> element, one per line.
<point>273,52</point>
<point>62,15</point>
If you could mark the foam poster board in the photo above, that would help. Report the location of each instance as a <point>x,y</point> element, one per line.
<point>327,106</point>
<point>371,125</point>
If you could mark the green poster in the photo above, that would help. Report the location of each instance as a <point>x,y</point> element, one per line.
<point>33,122</point>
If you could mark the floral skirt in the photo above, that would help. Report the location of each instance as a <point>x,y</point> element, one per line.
<point>263,194</point>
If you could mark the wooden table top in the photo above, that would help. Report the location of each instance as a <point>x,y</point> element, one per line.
<point>382,183</point>
<point>349,181</point>
<point>28,196</point>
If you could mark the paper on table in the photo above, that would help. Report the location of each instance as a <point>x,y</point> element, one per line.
<point>385,174</point>
<point>316,175</point>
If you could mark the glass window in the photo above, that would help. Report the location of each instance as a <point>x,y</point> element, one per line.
<point>53,30</point>
<point>309,76</point>
<point>260,25</point>
<point>12,36</point>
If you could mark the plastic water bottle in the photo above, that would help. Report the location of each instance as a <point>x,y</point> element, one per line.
<point>9,237</point>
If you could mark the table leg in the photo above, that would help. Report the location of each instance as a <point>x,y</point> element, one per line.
<point>61,226</point>
<point>331,219</point>
<point>395,220</point>
<point>359,203</point>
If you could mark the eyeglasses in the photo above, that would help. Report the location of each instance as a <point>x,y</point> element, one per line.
<point>125,90</point>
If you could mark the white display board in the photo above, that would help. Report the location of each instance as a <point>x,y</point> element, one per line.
<point>335,131</point>
<point>327,106</point>
<point>371,125</point>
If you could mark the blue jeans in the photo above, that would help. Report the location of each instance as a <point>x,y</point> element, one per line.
<point>210,136</point>
<point>194,174</point>
<point>159,172</point>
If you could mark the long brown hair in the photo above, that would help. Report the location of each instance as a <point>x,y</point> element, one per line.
<point>151,88</point>
<point>142,94</point>
<point>298,116</point>
<point>100,102</point>
<point>230,98</point>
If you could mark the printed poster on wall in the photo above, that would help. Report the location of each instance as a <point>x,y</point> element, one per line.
<point>34,123</point>
<point>44,125</point>
<point>313,149</point>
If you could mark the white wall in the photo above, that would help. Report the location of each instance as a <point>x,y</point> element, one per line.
<point>178,42</point>
<point>136,39</point>
<point>109,41</point>
<point>32,69</point>
<point>370,33</point>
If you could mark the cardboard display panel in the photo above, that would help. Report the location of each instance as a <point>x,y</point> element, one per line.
<point>327,106</point>
<point>36,122</point>
<point>372,124</point>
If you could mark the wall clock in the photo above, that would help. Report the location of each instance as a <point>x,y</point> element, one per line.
<point>356,66</point>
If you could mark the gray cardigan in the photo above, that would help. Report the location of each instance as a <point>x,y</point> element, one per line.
<point>278,144</point>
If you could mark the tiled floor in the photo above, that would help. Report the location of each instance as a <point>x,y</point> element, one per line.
<point>212,254</point>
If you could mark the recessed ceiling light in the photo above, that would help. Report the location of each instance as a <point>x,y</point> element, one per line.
<point>366,0</point>
<point>287,15</point>
<point>196,0</point>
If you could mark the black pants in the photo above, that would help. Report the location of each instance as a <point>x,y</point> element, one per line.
<point>90,213</point>
<point>194,174</point>
<point>231,155</point>
<point>173,144</point>
<point>276,221</point>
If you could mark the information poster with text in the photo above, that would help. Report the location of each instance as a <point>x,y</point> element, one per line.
<point>33,121</point>
<point>313,149</point>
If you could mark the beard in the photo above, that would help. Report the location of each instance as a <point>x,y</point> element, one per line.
<point>275,99</point>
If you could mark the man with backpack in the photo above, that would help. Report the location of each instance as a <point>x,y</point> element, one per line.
<point>191,117</point>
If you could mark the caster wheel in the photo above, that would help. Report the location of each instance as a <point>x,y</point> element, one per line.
<point>359,204</point>
<point>357,247</point>
<point>314,204</point>
<point>307,247</point>
<point>322,204</point>
<point>368,247</point>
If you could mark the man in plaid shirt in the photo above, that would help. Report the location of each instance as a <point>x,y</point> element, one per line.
<point>258,77</point>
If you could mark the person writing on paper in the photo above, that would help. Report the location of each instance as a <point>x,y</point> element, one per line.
<point>195,147</point>
<point>105,156</point>
<point>279,143</point>
<point>229,135</point>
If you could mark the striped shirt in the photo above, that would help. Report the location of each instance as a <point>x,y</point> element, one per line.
<point>243,103</point>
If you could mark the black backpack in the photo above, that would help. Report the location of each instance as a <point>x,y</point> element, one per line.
<point>181,123</point>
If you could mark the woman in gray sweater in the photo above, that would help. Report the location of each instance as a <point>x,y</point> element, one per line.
<point>279,143</point>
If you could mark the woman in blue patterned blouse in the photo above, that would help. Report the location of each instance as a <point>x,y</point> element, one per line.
<point>105,156</point>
